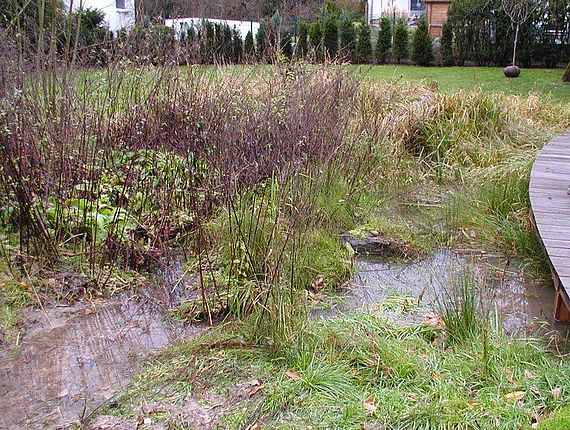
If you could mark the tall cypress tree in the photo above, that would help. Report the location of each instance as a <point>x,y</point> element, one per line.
<point>208,42</point>
<point>261,39</point>
<point>330,37</point>
<point>237,47</point>
<point>400,41</point>
<point>422,47</point>
<point>347,39</point>
<point>446,50</point>
<point>384,42</point>
<point>249,48</point>
<point>302,46</point>
<point>316,39</point>
<point>364,48</point>
<point>226,50</point>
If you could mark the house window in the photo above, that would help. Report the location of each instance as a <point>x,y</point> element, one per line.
<point>120,4</point>
<point>417,6</point>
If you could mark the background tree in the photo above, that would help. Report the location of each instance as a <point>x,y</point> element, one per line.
<point>316,39</point>
<point>518,11</point>
<point>384,42</point>
<point>286,46</point>
<point>237,47</point>
<point>31,21</point>
<point>302,47</point>
<point>249,48</point>
<point>226,48</point>
<point>261,41</point>
<point>192,44</point>
<point>209,42</point>
<point>347,39</point>
<point>422,46</point>
<point>91,34</point>
<point>400,41</point>
<point>446,50</point>
<point>330,37</point>
<point>364,48</point>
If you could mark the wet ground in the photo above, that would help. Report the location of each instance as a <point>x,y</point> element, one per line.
<point>74,358</point>
<point>518,303</point>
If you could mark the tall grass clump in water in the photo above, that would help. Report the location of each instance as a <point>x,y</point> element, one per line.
<point>460,310</point>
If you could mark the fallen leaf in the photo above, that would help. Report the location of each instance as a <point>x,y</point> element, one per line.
<point>318,284</point>
<point>529,375</point>
<point>556,392</point>
<point>472,402</point>
<point>254,391</point>
<point>515,395</point>
<point>293,375</point>
<point>370,406</point>
<point>509,375</point>
<point>433,320</point>
<point>253,383</point>
<point>437,377</point>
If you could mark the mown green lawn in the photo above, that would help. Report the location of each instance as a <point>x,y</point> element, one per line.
<point>488,79</point>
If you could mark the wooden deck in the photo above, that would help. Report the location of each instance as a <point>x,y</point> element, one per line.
<point>550,211</point>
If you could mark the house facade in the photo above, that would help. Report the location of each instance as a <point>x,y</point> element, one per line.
<point>119,14</point>
<point>376,9</point>
<point>437,11</point>
<point>182,25</point>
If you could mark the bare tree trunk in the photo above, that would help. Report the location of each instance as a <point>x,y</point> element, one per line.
<point>566,76</point>
<point>515,45</point>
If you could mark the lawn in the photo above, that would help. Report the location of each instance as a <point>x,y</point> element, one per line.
<point>489,79</point>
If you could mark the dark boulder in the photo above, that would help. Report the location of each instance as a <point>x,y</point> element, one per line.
<point>512,71</point>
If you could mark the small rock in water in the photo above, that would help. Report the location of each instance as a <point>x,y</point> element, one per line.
<point>371,245</point>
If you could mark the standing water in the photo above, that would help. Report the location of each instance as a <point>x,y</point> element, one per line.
<point>522,306</point>
<point>74,358</point>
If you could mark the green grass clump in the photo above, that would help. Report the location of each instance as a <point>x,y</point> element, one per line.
<point>363,370</point>
<point>559,420</point>
<point>14,297</point>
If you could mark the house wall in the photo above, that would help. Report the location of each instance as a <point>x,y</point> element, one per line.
<point>437,16</point>
<point>379,8</point>
<point>116,18</point>
<point>182,25</point>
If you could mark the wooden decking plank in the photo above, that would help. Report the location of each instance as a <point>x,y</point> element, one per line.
<point>550,204</point>
<point>559,252</point>
<point>543,209</point>
<point>551,226</point>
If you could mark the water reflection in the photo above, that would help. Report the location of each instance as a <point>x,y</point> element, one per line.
<point>522,306</point>
<point>67,366</point>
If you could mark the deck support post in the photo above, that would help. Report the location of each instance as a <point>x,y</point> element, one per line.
<point>561,311</point>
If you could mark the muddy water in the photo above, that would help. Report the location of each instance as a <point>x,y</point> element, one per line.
<point>74,358</point>
<point>521,305</point>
